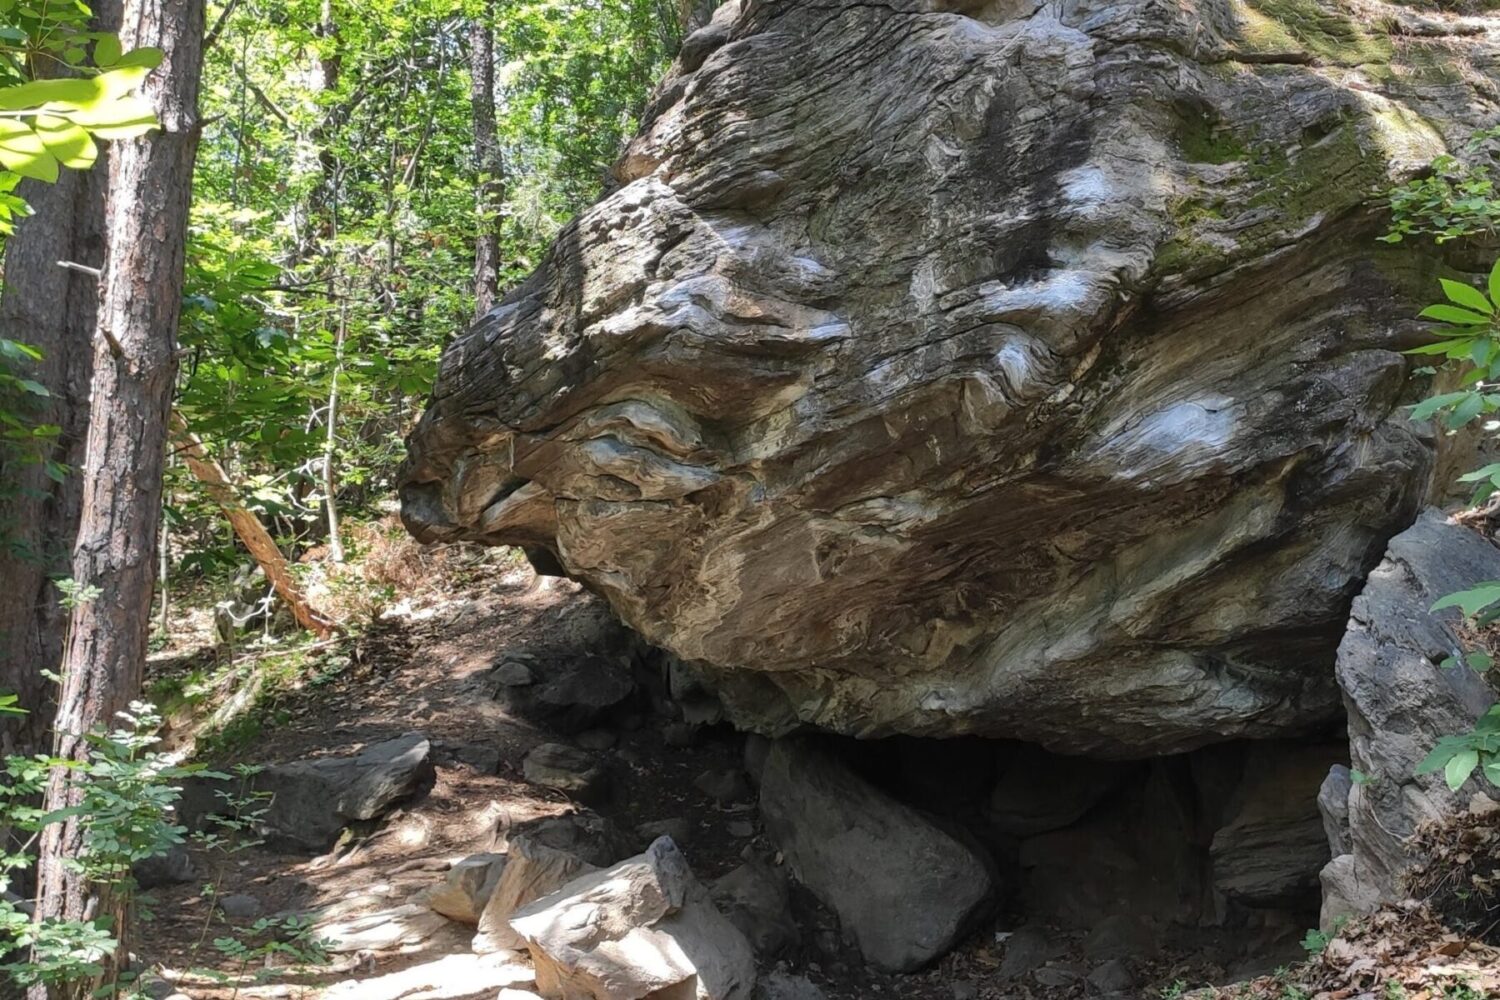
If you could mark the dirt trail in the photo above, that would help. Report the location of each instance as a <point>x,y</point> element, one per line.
<point>425,667</point>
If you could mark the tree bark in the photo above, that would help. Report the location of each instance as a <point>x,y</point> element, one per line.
<point>135,361</point>
<point>489,163</point>
<point>247,526</point>
<point>53,309</point>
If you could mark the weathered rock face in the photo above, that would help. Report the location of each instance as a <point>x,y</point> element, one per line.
<point>1024,368</point>
<point>1401,702</point>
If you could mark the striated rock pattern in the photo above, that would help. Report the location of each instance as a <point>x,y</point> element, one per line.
<point>1401,702</point>
<point>1024,368</point>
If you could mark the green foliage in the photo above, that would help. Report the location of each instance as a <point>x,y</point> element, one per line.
<point>1459,756</point>
<point>1456,198</point>
<point>123,791</point>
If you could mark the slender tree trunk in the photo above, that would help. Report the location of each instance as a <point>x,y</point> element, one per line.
<point>53,309</point>
<point>330,443</point>
<point>135,361</point>
<point>247,526</point>
<point>489,164</point>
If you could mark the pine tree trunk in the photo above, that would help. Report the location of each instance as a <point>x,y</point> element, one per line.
<point>489,164</point>
<point>134,366</point>
<point>53,309</point>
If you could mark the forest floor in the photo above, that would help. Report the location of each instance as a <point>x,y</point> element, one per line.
<point>422,666</point>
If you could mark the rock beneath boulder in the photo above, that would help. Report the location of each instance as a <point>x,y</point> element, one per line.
<point>453,977</point>
<point>645,927</point>
<point>1401,702</point>
<point>467,887</point>
<point>756,899</point>
<point>1113,976</point>
<point>532,870</point>
<point>1026,950</point>
<point>780,985</point>
<point>1271,849</point>
<point>1037,791</point>
<point>596,739</point>
<point>309,802</point>
<point>679,829</point>
<point>902,888</point>
<point>904,406</point>
<point>724,785</point>
<point>569,694</point>
<point>570,770</point>
<point>1122,935</point>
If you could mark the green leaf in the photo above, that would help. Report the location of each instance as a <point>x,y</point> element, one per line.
<point>1480,475</point>
<point>1494,282</point>
<point>1428,407</point>
<point>23,151</point>
<point>1468,409</point>
<point>72,146</point>
<point>107,52</point>
<point>146,58</point>
<point>1466,295</point>
<point>1445,346</point>
<point>125,118</point>
<point>1471,601</point>
<point>1480,662</point>
<point>1459,767</point>
<point>1453,314</point>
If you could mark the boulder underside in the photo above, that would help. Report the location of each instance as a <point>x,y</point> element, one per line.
<point>1019,369</point>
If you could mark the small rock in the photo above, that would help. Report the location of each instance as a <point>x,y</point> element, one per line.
<point>1025,950</point>
<point>532,870</point>
<point>571,694</point>
<point>1114,976</point>
<point>723,786</point>
<point>780,985</point>
<point>172,868</point>
<point>583,833</point>
<point>1059,974</point>
<point>596,739</point>
<point>756,899</point>
<point>467,887</point>
<point>485,760</point>
<point>514,673</point>
<point>1121,935</point>
<point>405,926</point>
<point>740,828</point>
<point>154,986</point>
<point>679,829</point>
<point>965,989</point>
<point>241,906</point>
<point>645,927</point>
<point>679,734</point>
<point>567,769</point>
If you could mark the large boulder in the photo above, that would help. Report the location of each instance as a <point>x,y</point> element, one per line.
<point>644,928</point>
<point>1015,369</point>
<point>903,889</point>
<point>1401,702</point>
<point>306,804</point>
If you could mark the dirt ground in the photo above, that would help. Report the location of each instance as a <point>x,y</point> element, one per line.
<point>423,667</point>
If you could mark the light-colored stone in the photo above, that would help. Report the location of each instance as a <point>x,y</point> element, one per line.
<point>393,929</point>
<point>532,870</point>
<point>644,928</point>
<point>453,976</point>
<point>570,770</point>
<point>467,887</point>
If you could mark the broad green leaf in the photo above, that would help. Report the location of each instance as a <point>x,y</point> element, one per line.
<point>1453,314</point>
<point>148,58</point>
<point>23,151</point>
<point>72,146</point>
<point>1480,662</point>
<point>39,92</point>
<point>1428,407</point>
<point>1459,767</point>
<point>1471,406</point>
<point>1479,475</point>
<point>107,52</point>
<point>1471,601</point>
<point>1466,295</point>
<point>1494,282</point>
<point>125,118</point>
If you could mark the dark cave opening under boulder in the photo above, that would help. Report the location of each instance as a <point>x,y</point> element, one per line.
<point>917,844</point>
